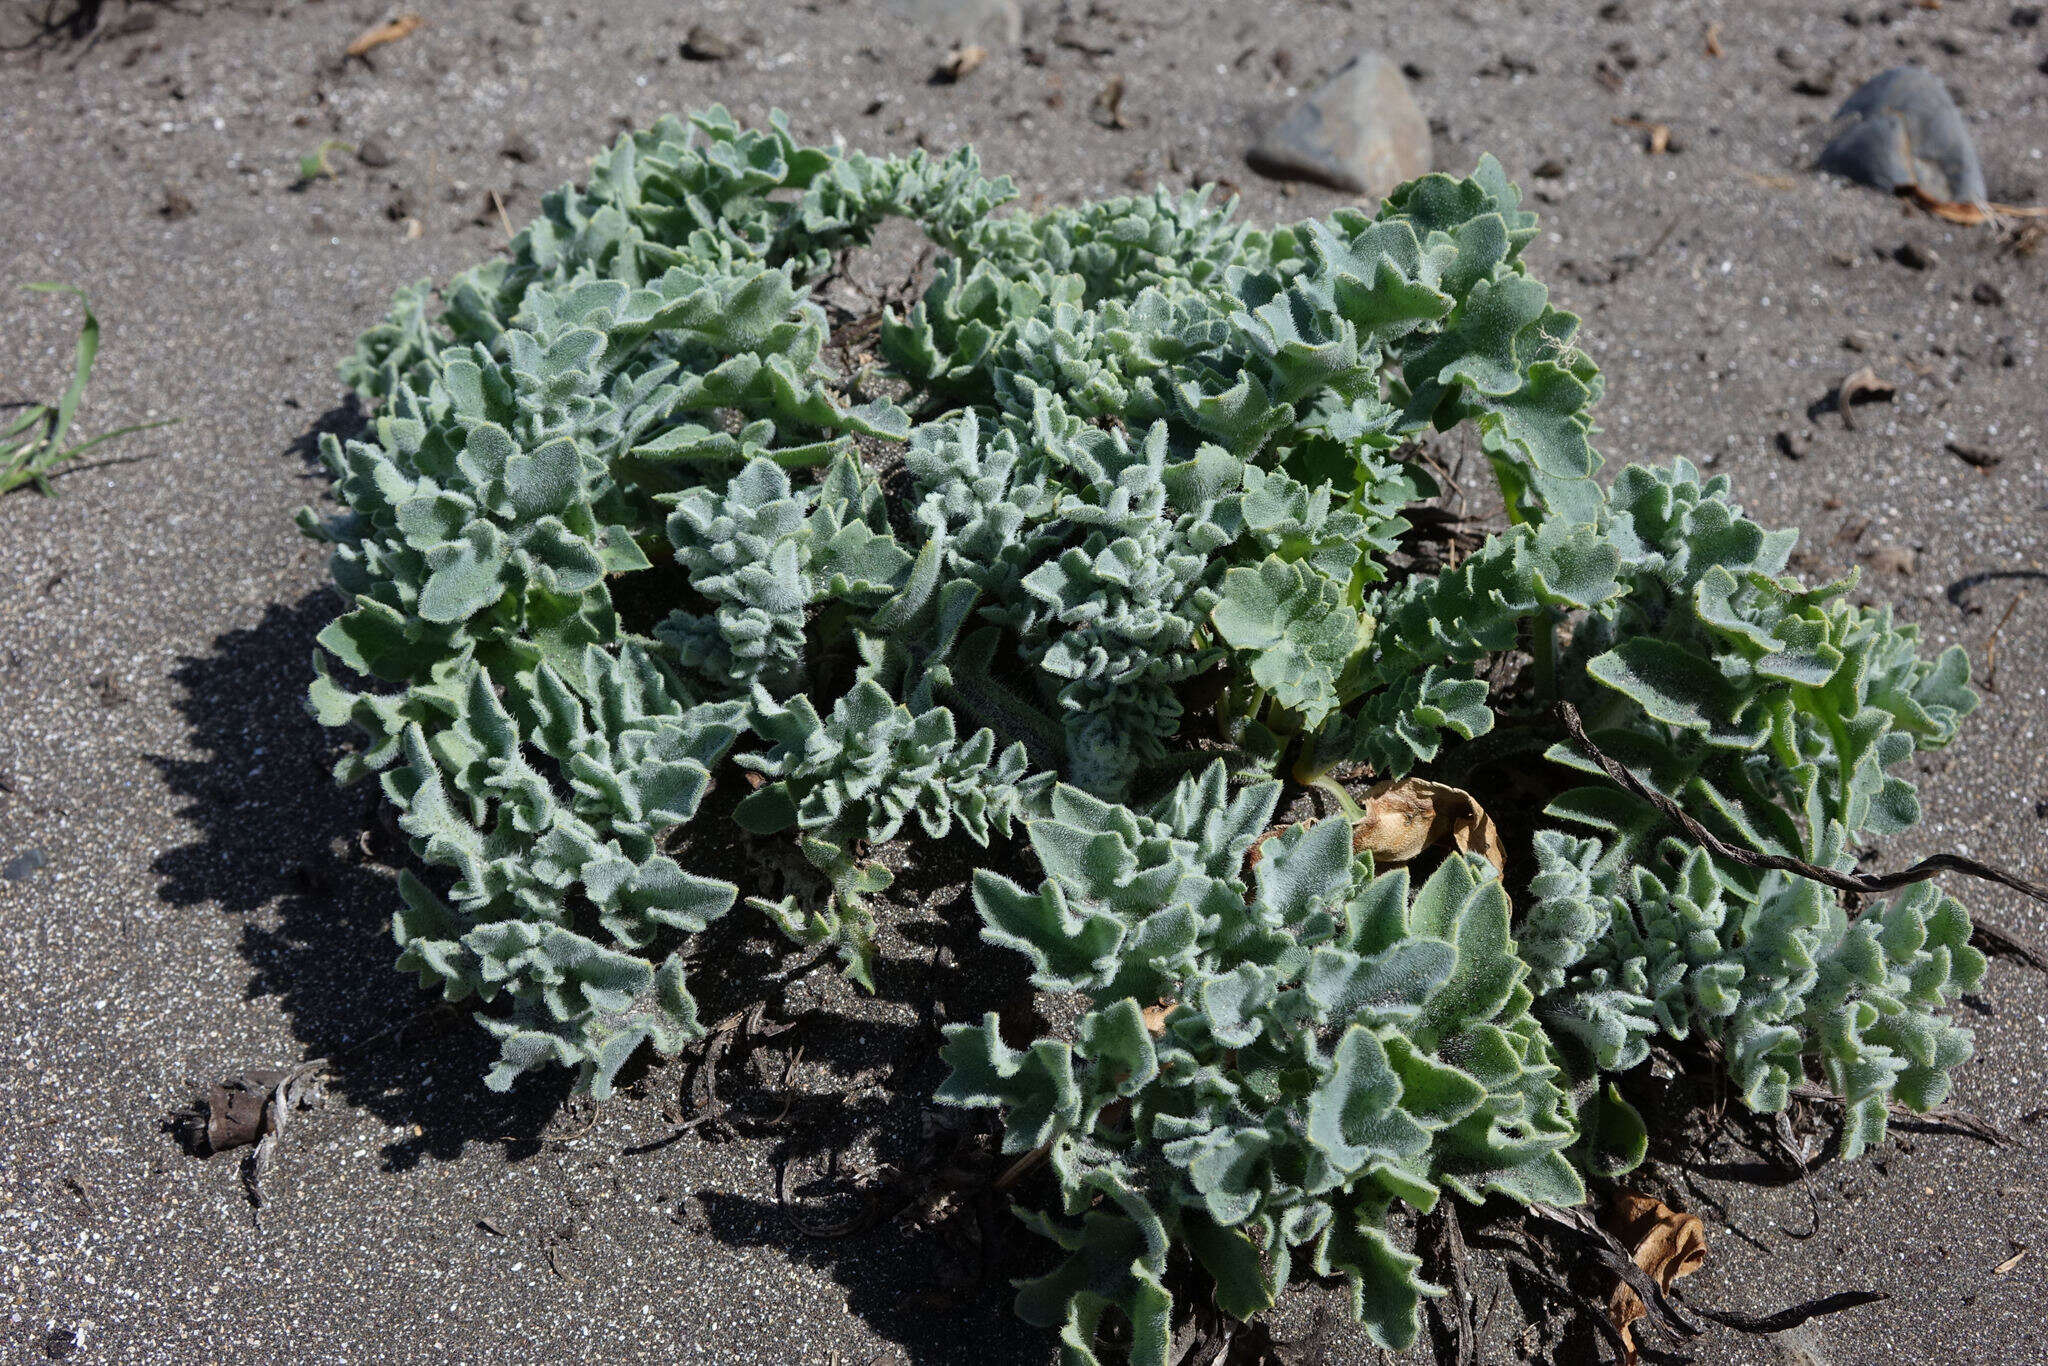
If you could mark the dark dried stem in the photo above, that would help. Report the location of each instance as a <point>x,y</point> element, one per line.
<point>1865,884</point>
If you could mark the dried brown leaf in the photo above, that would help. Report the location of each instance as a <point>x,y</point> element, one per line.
<point>1713,40</point>
<point>1862,387</point>
<point>1969,215</point>
<point>390,31</point>
<point>1405,816</point>
<point>1664,1242</point>
<point>1155,1016</point>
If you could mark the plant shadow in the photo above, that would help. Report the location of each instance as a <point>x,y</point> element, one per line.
<point>309,868</point>
<point>307,865</point>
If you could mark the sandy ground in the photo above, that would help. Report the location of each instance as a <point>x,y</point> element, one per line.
<point>201,909</point>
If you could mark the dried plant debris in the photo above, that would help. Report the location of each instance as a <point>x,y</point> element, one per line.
<point>390,31</point>
<point>1405,816</point>
<point>1664,1243</point>
<point>1861,386</point>
<point>1112,533</point>
<point>252,1109</point>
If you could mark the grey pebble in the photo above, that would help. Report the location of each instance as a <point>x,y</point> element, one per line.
<point>375,151</point>
<point>520,148</point>
<point>1902,128</point>
<point>1360,132</point>
<point>24,865</point>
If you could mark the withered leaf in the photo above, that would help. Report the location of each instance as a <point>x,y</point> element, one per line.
<point>1969,215</point>
<point>236,1109</point>
<point>1665,1243</point>
<point>1405,816</point>
<point>252,1108</point>
<point>390,31</point>
<point>1863,386</point>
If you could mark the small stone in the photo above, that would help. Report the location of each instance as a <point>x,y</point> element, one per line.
<point>24,865</point>
<point>1893,559</point>
<point>959,64</point>
<point>702,44</point>
<point>176,205</point>
<point>2025,16</point>
<point>1615,12</point>
<point>1548,169</point>
<point>520,148</point>
<point>527,13</point>
<point>1913,256</point>
<point>1902,128</point>
<point>1792,445</point>
<point>375,152</point>
<point>1818,86</point>
<point>1360,132</point>
<point>1987,294</point>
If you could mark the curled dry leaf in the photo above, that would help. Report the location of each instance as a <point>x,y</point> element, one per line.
<point>236,1109</point>
<point>390,31</point>
<point>1969,215</point>
<point>1862,387</point>
<point>1665,1243</point>
<point>1406,816</point>
<point>1155,1016</point>
<point>961,62</point>
<point>253,1108</point>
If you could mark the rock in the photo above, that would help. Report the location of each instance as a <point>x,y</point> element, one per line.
<point>176,204</point>
<point>959,64</point>
<point>1913,256</point>
<point>1360,132</point>
<point>24,865</point>
<point>960,22</point>
<point>1902,128</point>
<point>527,13</point>
<point>375,152</point>
<point>1987,294</point>
<point>702,44</point>
<point>520,148</point>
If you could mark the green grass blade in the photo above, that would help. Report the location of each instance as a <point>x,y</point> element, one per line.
<point>81,368</point>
